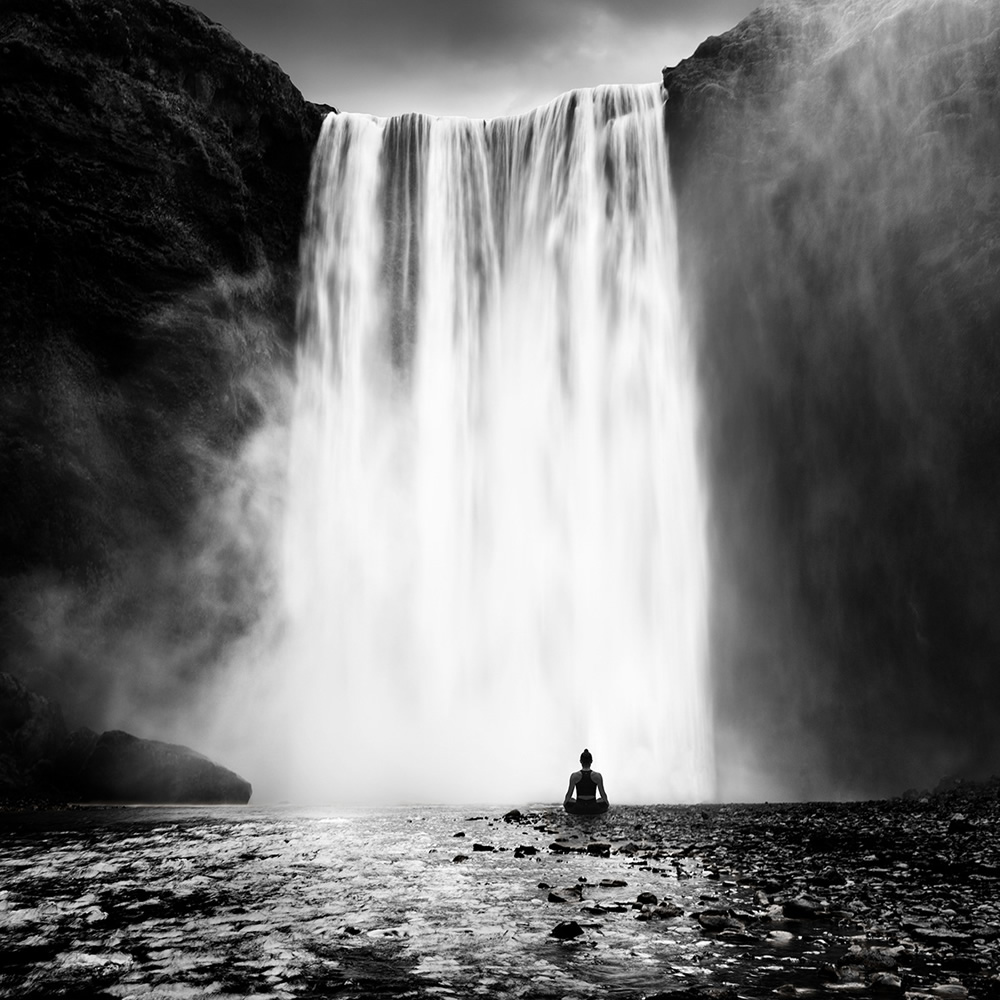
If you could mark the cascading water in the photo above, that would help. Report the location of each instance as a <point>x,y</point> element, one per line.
<point>494,545</point>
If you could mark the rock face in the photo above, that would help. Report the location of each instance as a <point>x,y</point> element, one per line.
<point>147,150</point>
<point>148,158</point>
<point>39,760</point>
<point>32,730</point>
<point>838,175</point>
<point>155,176</point>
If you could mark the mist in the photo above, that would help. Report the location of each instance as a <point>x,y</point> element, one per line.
<point>839,238</point>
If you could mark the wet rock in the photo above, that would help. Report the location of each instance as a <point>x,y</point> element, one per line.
<point>951,990</point>
<point>781,937</point>
<point>802,908</point>
<point>572,893</point>
<point>483,847</point>
<point>460,858</point>
<point>663,911</point>
<point>599,850</point>
<point>567,930</point>
<point>718,920</point>
<point>886,981</point>
<point>514,816</point>
<point>645,898</point>
<point>461,833</point>
<point>872,957</point>
<point>599,908</point>
<point>559,848</point>
<point>613,883</point>
<point>125,768</point>
<point>525,850</point>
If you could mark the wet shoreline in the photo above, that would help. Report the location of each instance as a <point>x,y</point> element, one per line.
<point>870,899</point>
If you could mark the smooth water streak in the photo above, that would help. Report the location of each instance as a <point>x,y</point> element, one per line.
<point>494,546</point>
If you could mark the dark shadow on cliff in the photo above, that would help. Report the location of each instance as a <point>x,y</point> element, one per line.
<point>838,171</point>
<point>155,175</point>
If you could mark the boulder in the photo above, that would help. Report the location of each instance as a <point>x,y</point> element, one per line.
<point>125,768</point>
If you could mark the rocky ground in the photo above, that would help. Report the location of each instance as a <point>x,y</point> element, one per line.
<point>870,899</point>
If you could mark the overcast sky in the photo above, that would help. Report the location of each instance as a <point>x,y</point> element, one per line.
<point>468,57</point>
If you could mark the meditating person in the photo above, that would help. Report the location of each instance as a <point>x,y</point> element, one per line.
<point>586,783</point>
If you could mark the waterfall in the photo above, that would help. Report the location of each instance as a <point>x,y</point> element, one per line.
<point>493,548</point>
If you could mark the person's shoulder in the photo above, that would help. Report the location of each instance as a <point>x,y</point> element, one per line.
<point>596,776</point>
<point>575,775</point>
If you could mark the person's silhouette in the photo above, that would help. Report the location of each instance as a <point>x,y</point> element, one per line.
<point>586,783</point>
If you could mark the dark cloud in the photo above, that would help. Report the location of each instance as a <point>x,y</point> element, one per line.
<point>459,57</point>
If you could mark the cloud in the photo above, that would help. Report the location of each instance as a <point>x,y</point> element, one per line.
<point>477,59</point>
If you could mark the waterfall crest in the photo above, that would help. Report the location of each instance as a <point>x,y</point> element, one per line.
<point>493,548</point>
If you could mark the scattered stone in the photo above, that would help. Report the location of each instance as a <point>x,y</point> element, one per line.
<point>951,990</point>
<point>483,847</point>
<point>613,883</point>
<point>571,893</point>
<point>802,908</point>
<point>567,930</point>
<point>460,857</point>
<point>664,911</point>
<point>599,908</point>
<point>599,850</point>
<point>461,833</point>
<point>645,898</point>
<point>886,981</point>
<point>718,920</point>
<point>780,937</point>
<point>557,848</point>
<point>873,958</point>
<point>514,816</point>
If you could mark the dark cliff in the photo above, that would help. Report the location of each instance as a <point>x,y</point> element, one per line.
<point>154,182</point>
<point>837,167</point>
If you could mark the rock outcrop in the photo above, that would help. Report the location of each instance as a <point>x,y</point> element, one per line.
<point>837,167</point>
<point>41,762</point>
<point>124,768</point>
